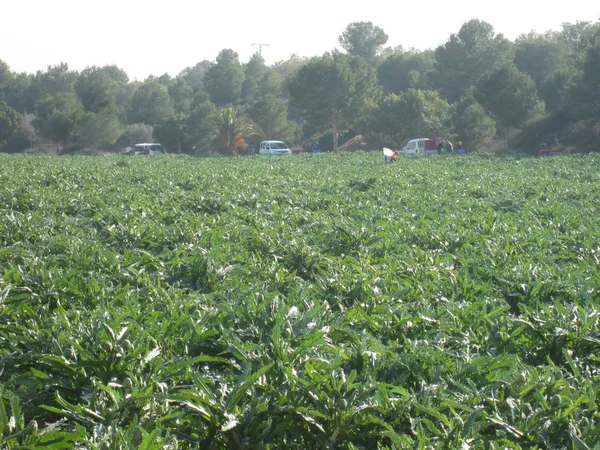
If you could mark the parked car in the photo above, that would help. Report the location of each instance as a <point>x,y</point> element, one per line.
<point>274,148</point>
<point>420,147</point>
<point>146,148</point>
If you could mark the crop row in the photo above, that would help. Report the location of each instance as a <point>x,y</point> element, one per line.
<point>315,301</point>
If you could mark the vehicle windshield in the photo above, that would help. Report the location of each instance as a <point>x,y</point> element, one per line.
<point>278,145</point>
<point>156,147</point>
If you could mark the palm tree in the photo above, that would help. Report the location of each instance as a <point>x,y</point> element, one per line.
<point>227,129</point>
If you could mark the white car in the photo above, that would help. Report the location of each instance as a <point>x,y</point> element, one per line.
<point>146,149</point>
<point>274,148</point>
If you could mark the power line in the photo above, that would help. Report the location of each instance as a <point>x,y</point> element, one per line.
<point>260,46</point>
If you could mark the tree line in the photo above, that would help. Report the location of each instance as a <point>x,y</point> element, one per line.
<point>476,87</point>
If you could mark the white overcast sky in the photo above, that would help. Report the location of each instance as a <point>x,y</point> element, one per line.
<point>155,37</point>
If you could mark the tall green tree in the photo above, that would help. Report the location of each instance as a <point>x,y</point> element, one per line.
<point>99,129</point>
<point>150,104</point>
<point>182,95</point>
<point>96,90</point>
<point>591,67</point>
<point>510,95</point>
<point>125,93</point>
<point>290,66</point>
<point>539,55</point>
<point>256,76</point>
<point>577,38</point>
<point>197,123</point>
<point>409,115</point>
<point>363,39</point>
<point>5,76</point>
<point>173,134</point>
<point>335,91</point>
<point>58,116</point>
<point>587,92</point>
<point>472,124</point>
<point>223,80</point>
<point>9,122</point>
<point>403,71</point>
<point>23,137</point>
<point>194,76</point>
<point>116,74</point>
<point>184,133</point>
<point>55,79</point>
<point>555,90</point>
<point>467,56</point>
<point>18,93</point>
<point>270,113</point>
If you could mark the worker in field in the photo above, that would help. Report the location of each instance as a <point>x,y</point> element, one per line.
<point>390,156</point>
<point>460,148</point>
<point>444,147</point>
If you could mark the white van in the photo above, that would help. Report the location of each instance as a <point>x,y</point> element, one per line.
<point>420,146</point>
<point>274,148</point>
<point>146,148</point>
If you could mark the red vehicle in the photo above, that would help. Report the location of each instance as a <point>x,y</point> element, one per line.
<point>545,151</point>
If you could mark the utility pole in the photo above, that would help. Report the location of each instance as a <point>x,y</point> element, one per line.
<point>260,46</point>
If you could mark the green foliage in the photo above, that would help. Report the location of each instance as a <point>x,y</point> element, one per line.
<point>136,134</point>
<point>578,37</point>
<point>467,56</point>
<point>473,126</point>
<point>197,122</point>
<point>407,70</point>
<point>540,55</point>
<point>556,89</point>
<point>335,91</point>
<point>96,90</point>
<point>410,115</point>
<point>9,122</point>
<point>175,134</point>
<point>309,302</point>
<point>328,96</point>
<point>271,115</point>
<point>194,76</point>
<point>223,80</point>
<point>150,104</point>
<point>182,94</point>
<point>18,93</point>
<point>363,39</point>
<point>58,116</point>
<point>510,95</point>
<point>289,66</point>
<point>591,78</point>
<point>56,79</point>
<point>260,80</point>
<point>23,137</point>
<point>591,69</point>
<point>226,131</point>
<point>5,76</point>
<point>99,129</point>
